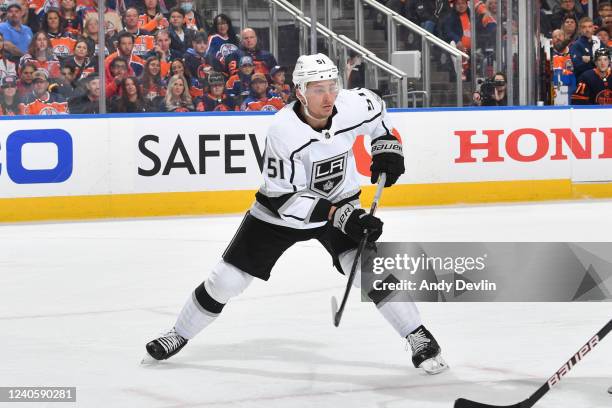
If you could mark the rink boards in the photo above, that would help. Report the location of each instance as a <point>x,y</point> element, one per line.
<point>88,166</point>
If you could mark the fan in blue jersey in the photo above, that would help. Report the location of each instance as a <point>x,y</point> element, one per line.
<point>595,85</point>
<point>223,42</point>
<point>216,99</point>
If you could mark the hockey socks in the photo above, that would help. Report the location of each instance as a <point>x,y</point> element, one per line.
<point>208,299</point>
<point>404,317</point>
<point>193,317</point>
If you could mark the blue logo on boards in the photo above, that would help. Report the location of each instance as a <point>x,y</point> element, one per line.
<point>14,156</point>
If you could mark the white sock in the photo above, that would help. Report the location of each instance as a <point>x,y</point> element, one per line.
<point>403,316</point>
<point>193,318</point>
<point>224,282</point>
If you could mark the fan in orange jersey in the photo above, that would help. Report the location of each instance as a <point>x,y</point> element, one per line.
<point>125,45</point>
<point>61,42</point>
<point>260,99</point>
<point>41,54</point>
<point>144,42</point>
<point>41,101</point>
<point>152,20</point>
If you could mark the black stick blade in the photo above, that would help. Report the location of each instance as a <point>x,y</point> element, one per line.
<point>465,403</point>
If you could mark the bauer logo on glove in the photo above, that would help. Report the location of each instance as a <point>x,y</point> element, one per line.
<point>383,145</point>
<point>387,157</point>
<point>355,222</point>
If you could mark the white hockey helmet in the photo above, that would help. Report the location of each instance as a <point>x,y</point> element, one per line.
<point>309,68</point>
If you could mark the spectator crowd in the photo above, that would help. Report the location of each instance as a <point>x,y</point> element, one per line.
<point>574,36</point>
<point>159,56</point>
<point>163,56</point>
<point>579,52</point>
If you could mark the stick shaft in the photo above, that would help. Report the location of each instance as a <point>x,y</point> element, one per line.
<point>552,381</point>
<point>379,188</point>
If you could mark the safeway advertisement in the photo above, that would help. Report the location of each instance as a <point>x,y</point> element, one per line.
<point>215,153</point>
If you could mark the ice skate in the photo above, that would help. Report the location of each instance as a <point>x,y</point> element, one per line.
<point>426,353</point>
<point>164,347</point>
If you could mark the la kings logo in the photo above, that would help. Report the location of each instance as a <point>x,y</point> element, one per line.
<point>328,174</point>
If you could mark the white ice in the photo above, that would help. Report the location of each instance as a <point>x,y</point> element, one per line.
<point>79,300</point>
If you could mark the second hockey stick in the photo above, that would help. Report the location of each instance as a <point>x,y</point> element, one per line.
<point>337,312</point>
<point>552,381</point>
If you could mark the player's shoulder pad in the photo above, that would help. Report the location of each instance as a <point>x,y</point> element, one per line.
<point>286,129</point>
<point>362,99</point>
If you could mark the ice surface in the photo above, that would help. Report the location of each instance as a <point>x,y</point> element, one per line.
<point>79,300</point>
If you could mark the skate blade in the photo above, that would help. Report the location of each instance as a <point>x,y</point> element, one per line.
<point>434,365</point>
<point>148,360</point>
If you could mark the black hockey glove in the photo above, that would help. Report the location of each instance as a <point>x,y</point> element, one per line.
<point>387,157</point>
<point>354,221</point>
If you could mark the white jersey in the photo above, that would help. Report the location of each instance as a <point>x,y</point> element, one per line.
<point>306,169</point>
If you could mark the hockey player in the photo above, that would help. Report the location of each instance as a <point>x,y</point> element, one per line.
<point>310,191</point>
<point>595,86</point>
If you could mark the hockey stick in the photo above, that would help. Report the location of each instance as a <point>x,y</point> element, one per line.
<point>552,381</point>
<point>337,312</point>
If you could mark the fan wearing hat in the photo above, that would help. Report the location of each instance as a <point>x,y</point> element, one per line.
<point>17,36</point>
<point>278,86</point>
<point>9,100</point>
<point>216,99</point>
<point>260,99</point>
<point>41,101</point>
<point>239,84</point>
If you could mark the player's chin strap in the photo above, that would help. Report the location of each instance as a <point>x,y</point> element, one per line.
<point>326,133</point>
<point>305,105</point>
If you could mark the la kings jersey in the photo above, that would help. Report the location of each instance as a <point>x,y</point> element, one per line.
<point>305,170</point>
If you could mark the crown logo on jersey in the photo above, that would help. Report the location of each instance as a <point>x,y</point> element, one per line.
<point>328,186</point>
